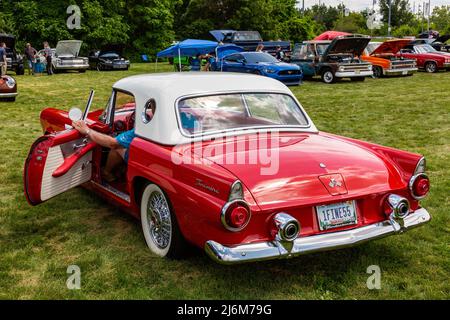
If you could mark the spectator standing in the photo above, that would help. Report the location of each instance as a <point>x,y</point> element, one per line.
<point>280,54</point>
<point>3,65</point>
<point>210,59</point>
<point>196,63</point>
<point>30,54</point>
<point>48,58</point>
<point>260,48</point>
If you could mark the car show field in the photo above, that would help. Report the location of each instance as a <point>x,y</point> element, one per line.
<point>37,244</point>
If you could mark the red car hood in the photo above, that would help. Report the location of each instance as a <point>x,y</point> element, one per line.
<point>391,46</point>
<point>292,177</point>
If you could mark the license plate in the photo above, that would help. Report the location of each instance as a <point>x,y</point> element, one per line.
<point>405,73</point>
<point>357,71</point>
<point>336,215</point>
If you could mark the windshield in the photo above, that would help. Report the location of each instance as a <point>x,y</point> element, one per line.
<point>256,57</point>
<point>110,55</point>
<point>372,46</point>
<point>247,36</point>
<point>321,48</point>
<point>425,48</point>
<point>203,115</point>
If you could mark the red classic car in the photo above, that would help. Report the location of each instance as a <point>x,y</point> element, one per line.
<point>232,164</point>
<point>8,88</point>
<point>430,61</point>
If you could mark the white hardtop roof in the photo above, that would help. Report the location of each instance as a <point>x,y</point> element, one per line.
<point>177,84</point>
<point>167,88</point>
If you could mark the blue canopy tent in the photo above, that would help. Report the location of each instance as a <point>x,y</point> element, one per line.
<point>188,48</point>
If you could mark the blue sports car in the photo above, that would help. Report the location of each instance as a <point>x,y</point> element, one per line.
<point>260,63</point>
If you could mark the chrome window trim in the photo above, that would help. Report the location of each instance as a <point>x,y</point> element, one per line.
<point>144,111</point>
<point>215,132</point>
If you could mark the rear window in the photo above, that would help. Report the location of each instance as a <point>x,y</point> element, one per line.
<point>208,114</point>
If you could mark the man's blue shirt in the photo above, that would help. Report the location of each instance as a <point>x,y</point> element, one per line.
<point>124,139</point>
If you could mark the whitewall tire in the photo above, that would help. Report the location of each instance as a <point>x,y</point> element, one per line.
<point>159,224</point>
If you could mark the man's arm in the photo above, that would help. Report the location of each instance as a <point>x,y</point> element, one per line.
<point>99,138</point>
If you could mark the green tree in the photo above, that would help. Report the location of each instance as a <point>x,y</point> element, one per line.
<point>324,15</point>
<point>441,19</point>
<point>400,12</point>
<point>355,22</point>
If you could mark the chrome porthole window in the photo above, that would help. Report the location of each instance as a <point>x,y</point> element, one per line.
<point>149,111</point>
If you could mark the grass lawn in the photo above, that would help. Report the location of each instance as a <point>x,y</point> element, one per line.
<point>37,244</point>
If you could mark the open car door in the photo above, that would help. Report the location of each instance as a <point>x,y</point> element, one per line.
<point>58,162</point>
<point>55,164</point>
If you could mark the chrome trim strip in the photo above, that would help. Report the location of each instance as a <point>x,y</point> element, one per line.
<point>348,74</point>
<point>261,251</point>
<point>114,191</point>
<point>400,71</point>
<point>8,95</point>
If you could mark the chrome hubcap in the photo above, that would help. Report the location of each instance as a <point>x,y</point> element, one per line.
<point>158,219</point>
<point>431,67</point>
<point>328,76</point>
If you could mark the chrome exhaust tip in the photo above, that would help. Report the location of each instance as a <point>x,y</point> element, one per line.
<point>288,227</point>
<point>399,206</point>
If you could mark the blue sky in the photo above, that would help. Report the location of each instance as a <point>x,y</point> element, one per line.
<point>357,5</point>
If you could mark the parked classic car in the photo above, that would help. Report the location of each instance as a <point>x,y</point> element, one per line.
<point>13,59</point>
<point>260,63</point>
<point>233,164</point>
<point>333,60</point>
<point>108,58</point>
<point>249,40</point>
<point>384,62</point>
<point>65,56</point>
<point>8,88</point>
<point>438,43</point>
<point>426,59</point>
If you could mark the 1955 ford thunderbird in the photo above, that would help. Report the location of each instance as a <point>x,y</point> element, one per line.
<point>233,164</point>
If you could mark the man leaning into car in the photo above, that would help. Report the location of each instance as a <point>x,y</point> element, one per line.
<point>119,147</point>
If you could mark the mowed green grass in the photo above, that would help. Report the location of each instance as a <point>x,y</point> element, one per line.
<point>37,244</point>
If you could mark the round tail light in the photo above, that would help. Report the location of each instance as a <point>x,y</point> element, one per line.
<point>235,215</point>
<point>419,185</point>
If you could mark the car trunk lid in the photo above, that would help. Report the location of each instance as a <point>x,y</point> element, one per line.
<point>291,170</point>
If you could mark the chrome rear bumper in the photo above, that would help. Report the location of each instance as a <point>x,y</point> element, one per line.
<point>278,250</point>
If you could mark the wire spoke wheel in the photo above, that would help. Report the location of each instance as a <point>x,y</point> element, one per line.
<point>158,219</point>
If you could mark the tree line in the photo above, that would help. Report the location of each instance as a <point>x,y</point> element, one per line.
<point>148,26</point>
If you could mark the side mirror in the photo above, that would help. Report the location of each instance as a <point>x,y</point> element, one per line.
<point>75,114</point>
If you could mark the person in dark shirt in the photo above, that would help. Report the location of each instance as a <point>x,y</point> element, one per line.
<point>48,57</point>
<point>30,54</point>
<point>280,54</point>
<point>3,65</point>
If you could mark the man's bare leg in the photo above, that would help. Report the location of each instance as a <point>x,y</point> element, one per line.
<point>115,158</point>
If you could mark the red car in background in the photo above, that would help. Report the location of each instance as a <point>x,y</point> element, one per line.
<point>8,88</point>
<point>428,60</point>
